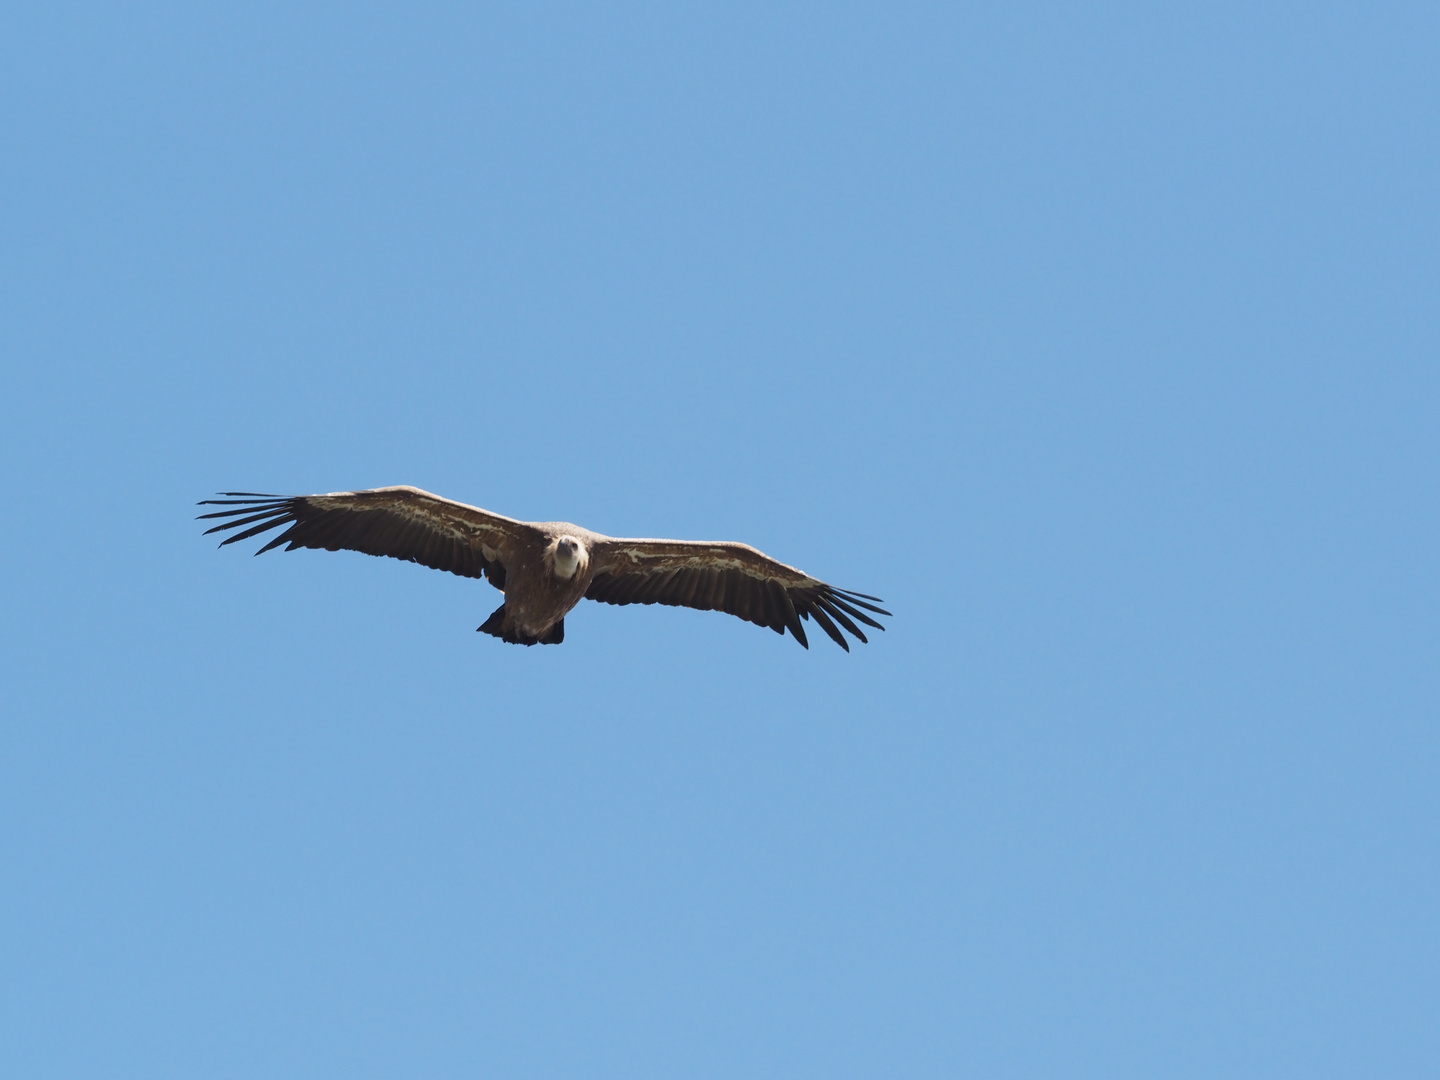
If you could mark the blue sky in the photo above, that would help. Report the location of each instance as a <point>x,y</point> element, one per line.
<point>1099,340</point>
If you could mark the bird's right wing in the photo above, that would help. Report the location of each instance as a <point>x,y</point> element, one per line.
<point>401,522</point>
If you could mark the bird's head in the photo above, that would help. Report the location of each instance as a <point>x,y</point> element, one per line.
<point>567,555</point>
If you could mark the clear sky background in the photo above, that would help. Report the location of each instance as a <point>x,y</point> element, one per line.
<point>1100,340</point>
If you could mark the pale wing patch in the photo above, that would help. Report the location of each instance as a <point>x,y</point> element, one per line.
<point>653,555</point>
<point>457,520</point>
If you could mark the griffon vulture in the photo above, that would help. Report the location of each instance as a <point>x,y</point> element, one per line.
<point>544,568</point>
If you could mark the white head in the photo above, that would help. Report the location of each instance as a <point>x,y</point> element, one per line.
<point>568,555</point>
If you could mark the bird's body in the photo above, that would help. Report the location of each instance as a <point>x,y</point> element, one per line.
<point>546,568</point>
<point>543,583</point>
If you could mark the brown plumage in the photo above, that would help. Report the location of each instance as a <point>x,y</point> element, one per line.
<point>545,568</point>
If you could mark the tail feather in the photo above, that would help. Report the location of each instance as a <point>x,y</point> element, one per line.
<point>495,624</point>
<point>495,627</point>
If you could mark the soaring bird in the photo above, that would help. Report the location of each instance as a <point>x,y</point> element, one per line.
<point>545,568</point>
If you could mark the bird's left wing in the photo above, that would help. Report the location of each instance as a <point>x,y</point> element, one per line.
<point>401,522</point>
<point>734,578</point>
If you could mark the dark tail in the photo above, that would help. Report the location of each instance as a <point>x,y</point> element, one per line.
<point>495,627</point>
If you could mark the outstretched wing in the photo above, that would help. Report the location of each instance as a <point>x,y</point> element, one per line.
<point>401,522</point>
<point>734,578</point>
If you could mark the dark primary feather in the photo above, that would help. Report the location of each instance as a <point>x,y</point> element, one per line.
<point>399,523</point>
<point>732,578</point>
